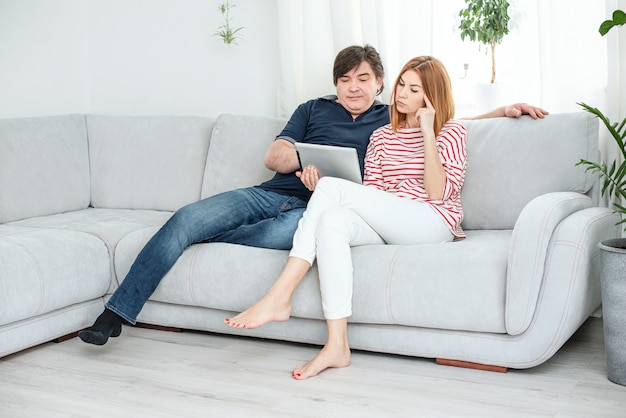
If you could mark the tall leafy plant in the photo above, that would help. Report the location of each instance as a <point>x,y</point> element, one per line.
<point>485,22</point>
<point>612,176</point>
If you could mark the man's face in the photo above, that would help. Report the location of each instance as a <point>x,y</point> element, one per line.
<point>356,90</point>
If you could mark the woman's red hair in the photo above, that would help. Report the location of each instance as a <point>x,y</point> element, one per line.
<point>436,85</point>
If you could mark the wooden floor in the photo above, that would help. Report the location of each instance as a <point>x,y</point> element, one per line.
<point>149,373</point>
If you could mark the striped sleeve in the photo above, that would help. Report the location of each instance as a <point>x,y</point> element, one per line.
<point>451,146</point>
<point>373,175</point>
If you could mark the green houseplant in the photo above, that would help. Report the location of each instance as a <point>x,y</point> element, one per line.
<point>485,22</point>
<point>613,176</point>
<point>613,251</point>
<point>225,31</point>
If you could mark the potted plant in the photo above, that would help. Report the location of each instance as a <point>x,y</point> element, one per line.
<point>485,22</point>
<point>613,251</point>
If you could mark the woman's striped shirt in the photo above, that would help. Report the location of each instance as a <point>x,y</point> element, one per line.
<point>394,162</point>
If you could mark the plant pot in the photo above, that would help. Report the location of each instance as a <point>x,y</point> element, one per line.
<point>490,96</point>
<point>613,280</point>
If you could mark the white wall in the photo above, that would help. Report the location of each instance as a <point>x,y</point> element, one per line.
<point>135,57</point>
<point>160,57</point>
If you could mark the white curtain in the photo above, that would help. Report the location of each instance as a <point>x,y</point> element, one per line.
<point>312,32</point>
<point>553,56</point>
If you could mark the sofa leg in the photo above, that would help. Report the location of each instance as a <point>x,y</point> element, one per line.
<point>158,327</point>
<point>139,324</point>
<point>469,365</point>
<point>65,337</point>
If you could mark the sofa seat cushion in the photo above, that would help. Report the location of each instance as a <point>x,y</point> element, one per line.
<point>48,269</point>
<point>455,286</point>
<point>459,285</point>
<point>215,275</point>
<point>109,225</point>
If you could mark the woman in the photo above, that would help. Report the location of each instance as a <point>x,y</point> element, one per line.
<point>414,171</point>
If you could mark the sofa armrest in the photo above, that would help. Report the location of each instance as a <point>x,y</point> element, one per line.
<point>527,253</point>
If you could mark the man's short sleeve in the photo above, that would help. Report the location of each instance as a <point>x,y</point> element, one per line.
<point>296,128</point>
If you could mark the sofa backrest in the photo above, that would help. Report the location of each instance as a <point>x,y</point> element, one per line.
<point>44,166</point>
<point>511,161</point>
<point>62,163</point>
<point>147,162</point>
<point>238,146</point>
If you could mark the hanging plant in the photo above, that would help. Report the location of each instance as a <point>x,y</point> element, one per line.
<point>225,31</point>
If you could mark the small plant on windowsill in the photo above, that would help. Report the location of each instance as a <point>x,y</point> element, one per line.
<point>225,31</point>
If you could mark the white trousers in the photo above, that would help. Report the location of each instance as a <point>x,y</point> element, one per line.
<point>342,214</point>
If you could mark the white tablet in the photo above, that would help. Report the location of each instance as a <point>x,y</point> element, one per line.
<point>333,161</point>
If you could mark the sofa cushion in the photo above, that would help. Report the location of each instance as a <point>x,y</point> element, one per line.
<point>44,166</point>
<point>511,161</point>
<point>393,284</point>
<point>147,162</point>
<point>109,225</point>
<point>455,285</point>
<point>211,274</point>
<point>45,270</point>
<point>238,145</point>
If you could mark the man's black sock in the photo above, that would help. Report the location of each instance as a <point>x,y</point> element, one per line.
<point>108,324</point>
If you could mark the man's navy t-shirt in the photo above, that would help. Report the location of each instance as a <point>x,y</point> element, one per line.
<point>324,121</point>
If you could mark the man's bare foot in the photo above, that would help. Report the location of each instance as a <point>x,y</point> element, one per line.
<point>336,356</point>
<point>264,311</point>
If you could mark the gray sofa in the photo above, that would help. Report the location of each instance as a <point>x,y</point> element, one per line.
<point>81,194</point>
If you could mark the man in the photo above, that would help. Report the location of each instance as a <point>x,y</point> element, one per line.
<point>266,215</point>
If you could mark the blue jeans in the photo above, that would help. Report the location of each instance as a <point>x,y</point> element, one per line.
<point>249,216</point>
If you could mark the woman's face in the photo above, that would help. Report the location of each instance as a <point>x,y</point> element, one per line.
<point>409,93</point>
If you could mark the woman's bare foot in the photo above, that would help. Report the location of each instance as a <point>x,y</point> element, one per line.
<point>264,311</point>
<point>275,306</point>
<point>330,356</point>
